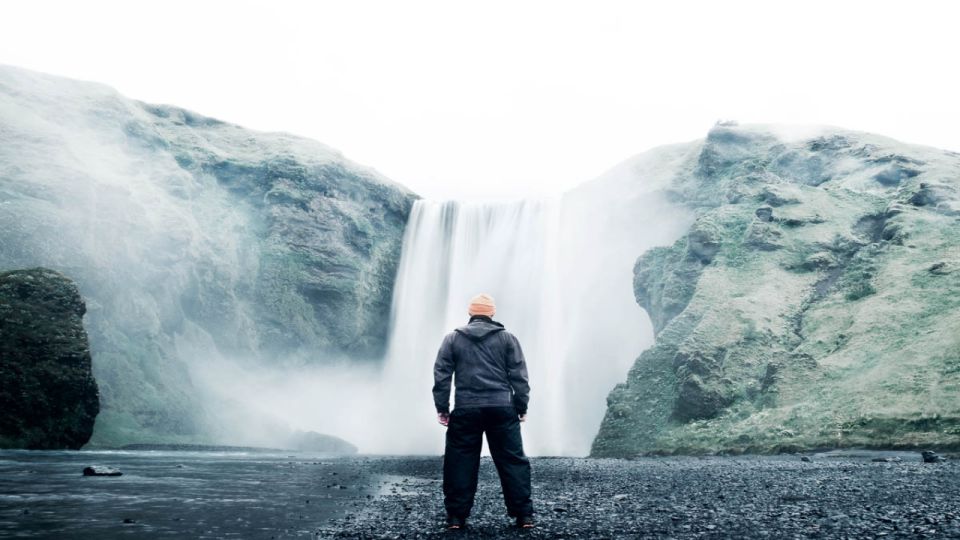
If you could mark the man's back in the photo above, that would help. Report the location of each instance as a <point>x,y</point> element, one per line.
<point>486,365</point>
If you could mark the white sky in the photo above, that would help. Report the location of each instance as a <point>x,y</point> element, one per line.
<point>508,99</point>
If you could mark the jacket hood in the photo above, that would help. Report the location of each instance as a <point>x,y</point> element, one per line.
<point>480,328</point>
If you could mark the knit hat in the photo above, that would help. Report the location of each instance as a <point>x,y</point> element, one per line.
<point>482,304</point>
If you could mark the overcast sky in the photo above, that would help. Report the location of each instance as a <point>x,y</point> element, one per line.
<point>509,99</point>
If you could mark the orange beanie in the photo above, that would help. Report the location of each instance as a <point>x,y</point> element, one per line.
<point>482,304</point>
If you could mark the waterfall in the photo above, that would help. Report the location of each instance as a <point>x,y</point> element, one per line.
<point>561,273</point>
<point>452,251</point>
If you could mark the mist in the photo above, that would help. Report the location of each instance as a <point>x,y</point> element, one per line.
<point>561,272</point>
<point>238,294</point>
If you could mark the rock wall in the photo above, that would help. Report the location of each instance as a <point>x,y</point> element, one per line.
<point>48,395</point>
<point>193,241</point>
<point>814,302</point>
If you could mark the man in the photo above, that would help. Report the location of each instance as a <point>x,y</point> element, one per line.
<point>492,391</point>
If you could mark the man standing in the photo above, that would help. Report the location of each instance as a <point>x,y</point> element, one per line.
<point>492,390</point>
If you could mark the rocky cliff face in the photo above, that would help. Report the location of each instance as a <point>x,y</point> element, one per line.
<point>48,395</point>
<point>814,302</point>
<point>193,241</point>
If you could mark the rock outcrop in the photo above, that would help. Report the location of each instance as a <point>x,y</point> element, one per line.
<point>48,395</point>
<point>195,242</point>
<point>813,303</point>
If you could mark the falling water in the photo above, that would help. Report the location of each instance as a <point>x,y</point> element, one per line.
<point>561,273</point>
<point>451,252</point>
<point>168,262</point>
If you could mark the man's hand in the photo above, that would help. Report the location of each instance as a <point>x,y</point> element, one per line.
<point>443,418</point>
<point>523,417</point>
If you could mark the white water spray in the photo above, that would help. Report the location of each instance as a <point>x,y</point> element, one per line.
<point>561,273</point>
<point>451,252</point>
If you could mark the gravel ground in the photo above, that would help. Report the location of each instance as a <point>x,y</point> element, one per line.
<point>831,496</point>
<point>267,496</point>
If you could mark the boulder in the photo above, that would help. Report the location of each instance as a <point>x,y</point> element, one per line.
<point>98,470</point>
<point>703,242</point>
<point>48,395</point>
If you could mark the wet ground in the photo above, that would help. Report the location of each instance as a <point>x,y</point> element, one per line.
<point>172,494</point>
<point>249,495</point>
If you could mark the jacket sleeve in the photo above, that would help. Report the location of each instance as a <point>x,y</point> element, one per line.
<point>443,375</point>
<point>517,375</point>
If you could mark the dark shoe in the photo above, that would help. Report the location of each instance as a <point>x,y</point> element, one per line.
<point>525,522</point>
<point>455,523</point>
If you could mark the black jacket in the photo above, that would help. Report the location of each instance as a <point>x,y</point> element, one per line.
<point>488,366</point>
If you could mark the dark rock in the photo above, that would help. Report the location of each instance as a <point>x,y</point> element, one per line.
<point>924,196</point>
<point>48,395</point>
<point>806,459</point>
<point>128,520</point>
<point>703,242</point>
<point>700,396</point>
<point>97,470</point>
<point>941,268</point>
<point>929,456</point>
<point>764,213</point>
<point>662,282</point>
<point>702,391</point>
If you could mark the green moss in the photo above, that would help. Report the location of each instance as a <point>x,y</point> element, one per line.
<point>835,313</point>
<point>859,290</point>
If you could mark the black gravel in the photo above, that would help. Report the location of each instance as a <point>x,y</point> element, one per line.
<point>43,494</point>
<point>840,496</point>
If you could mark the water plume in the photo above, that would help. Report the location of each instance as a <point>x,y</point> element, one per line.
<point>561,272</point>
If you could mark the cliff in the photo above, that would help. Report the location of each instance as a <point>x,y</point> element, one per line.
<point>193,241</point>
<point>814,302</point>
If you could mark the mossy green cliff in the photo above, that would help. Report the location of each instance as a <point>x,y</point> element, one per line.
<point>815,301</point>
<point>194,242</point>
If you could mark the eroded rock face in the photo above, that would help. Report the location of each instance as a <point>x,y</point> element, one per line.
<point>194,242</point>
<point>812,304</point>
<point>48,395</point>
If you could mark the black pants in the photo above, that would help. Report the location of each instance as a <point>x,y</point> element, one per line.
<point>461,461</point>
